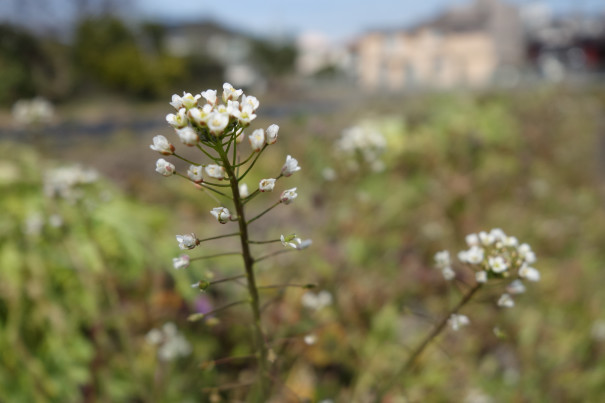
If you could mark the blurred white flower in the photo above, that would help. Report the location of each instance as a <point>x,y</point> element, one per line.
<point>497,264</point>
<point>290,166</point>
<point>516,287</point>
<point>472,240</point>
<point>200,116</point>
<point>172,344</point>
<point>250,102</point>
<point>164,167</point>
<point>364,142</point>
<point>243,191</point>
<point>187,241</point>
<point>442,259</point>
<point>457,321</point>
<point>222,214</point>
<point>506,301</point>
<point>481,276</point>
<point>181,262</point>
<point>177,102</point>
<point>317,301</point>
<point>210,96</point>
<point>33,111</point>
<point>310,339</point>
<point>329,174</point>
<point>189,101</point>
<point>448,273</point>
<point>529,273</point>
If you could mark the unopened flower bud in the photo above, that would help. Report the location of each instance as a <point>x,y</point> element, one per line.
<point>266,185</point>
<point>288,196</point>
<point>195,173</point>
<point>188,136</point>
<point>290,166</point>
<point>222,214</point>
<point>181,262</point>
<point>162,145</point>
<point>215,171</point>
<point>272,134</point>
<point>187,241</point>
<point>164,167</point>
<point>257,139</point>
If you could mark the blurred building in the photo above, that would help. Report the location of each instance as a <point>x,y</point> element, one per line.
<point>469,45</point>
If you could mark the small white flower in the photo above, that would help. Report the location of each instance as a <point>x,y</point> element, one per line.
<point>245,115</point>
<point>288,196</point>
<point>250,101</point>
<point>329,174</point>
<point>210,96</point>
<point>243,191</point>
<point>272,134</point>
<point>266,185</point>
<point>511,241</point>
<point>497,264</point>
<point>529,273</point>
<point>475,255</point>
<point>233,108</point>
<point>481,276</point>
<point>457,321</point>
<point>526,253</point>
<point>200,116</point>
<point>177,102</point>
<point>154,337</point>
<point>310,339</point>
<point>181,262</point>
<point>161,145</point>
<point>188,136</point>
<point>164,167</point>
<point>187,241</point>
<point>240,137</point>
<point>217,122</point>
<point>290,166</point>
<point>215,171</point>
<point>257,139</point>
<point>304,244</point>
<point>485,238</point>
<point>442,259</point>
<point>316,301</point>
<point>497,234</point>
<point>516,287</point>
<point>230,93</point>
<point>506,301</point>
<point>530,257</point>
<point>448,273</point>
<point>179,120</point>
<point>221,214</point>
<point>195,173</point>
<point>189,101</point>
<point>472,240</point>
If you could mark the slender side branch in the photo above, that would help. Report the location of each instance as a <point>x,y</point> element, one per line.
<point>216,255</point>
<point>217,237</point>
<point>252,164</point>
<point>262,242</point>
<point>263,213</point>
<point>198,316</point>
<point>279,252</point>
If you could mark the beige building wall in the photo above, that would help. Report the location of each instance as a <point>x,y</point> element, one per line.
<point>426,59</point>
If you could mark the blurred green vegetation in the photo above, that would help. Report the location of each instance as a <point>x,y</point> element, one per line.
<point>529,162</point>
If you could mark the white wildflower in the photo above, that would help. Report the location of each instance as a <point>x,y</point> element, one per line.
<point>266,185</point>
<point>481,276</point>
<point>215,171</point>
<point>222,214</point>
<point>210,96</point>
<point>164,167</point>
<point>506,301</point>
<point>187,241</point>
<point>181,262</point>
<point>472,240</point>
<point>516,287</point>
<point>529,273</point>
<point>188,136</point>
<point>290,166</point>
<point>317,301</point>
<point>457,321</point>
<point>448,273</point>
<point>497,264</point>
<point>217,122</point>
<point>195,173</point>
<point>272,134</point>
<point>230,93</point>
<point>162,145</point>
<point>200,116</point>
<point>288,196</point>
<point>442,259</point>
<point>189,101</point>
<point>179,120</point>
<point>257,139</point>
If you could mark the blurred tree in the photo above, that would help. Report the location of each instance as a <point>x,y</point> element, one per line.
<point>274,59</point>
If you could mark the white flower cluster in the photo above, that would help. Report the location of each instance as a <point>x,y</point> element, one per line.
<point>362,143</point>
<point>33,111</point>
<point>67,182</point>
<point>172,344</point>
<point>496,255</point>
<point>444,263</point>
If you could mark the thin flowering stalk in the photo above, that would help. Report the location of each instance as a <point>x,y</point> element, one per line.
<point>409,363</point>
<point>239,164</point>
<point>303,286</point>
<point>212,157</point>
<point>218,237</point>
<point>222,185</point>
<point>252,164</point>
<point>186,160</point>
<point>270,255</point>
<point>263,213</point>
<point>249,267</point>
<point>262,242</point>
<point>198,316</point>
<point>222,280</point>
<point>215,255</point>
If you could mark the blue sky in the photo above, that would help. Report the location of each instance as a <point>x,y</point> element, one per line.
<point>336,18</point>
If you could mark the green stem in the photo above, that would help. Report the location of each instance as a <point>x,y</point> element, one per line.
<point>262,351</point>
<point>409,364</point>
<point>264,212</point>
<point>186,160</point>
<point>262,242</point>
<point>213,256</point>
<point>273,254</point>
<point>217,237</point>
<point>252,164</point>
